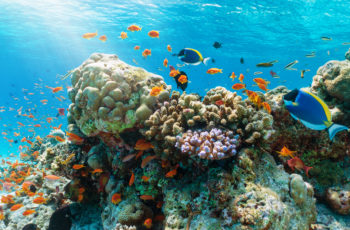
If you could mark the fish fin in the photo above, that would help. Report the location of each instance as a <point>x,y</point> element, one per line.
<point>334,129</point>
<point>197,63</point>
<point>313,126</point>
<point>205,60</point>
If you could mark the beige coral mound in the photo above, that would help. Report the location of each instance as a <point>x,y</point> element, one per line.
<point>110,96</point>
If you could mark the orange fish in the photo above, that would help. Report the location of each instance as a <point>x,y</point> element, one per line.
<point>75,138</point>
<point>145,178</point>
<point>214,71</point>
<point>238,86</point>
<point>146,160</point>
<point>132,179</point>
<point>39,200</point>
<point>57,89</point>
<point>286,152</point>
<point>60,139</point>
<point>142,144</point>
<point>16,207</point>
<point>297,163</point>
<point>233,76</point>
<point>28,212</point>
<point>241,77</point>
<point>52,177</point>
<point>103,38</point>
<point>80,197</point>
<point>173,72</point>
<point>43,101</point>
<point>262,87</point>
<point>89,35</point>
<point>123,35</point>
<point>260,81</point>
<point>37,125</point>
<point>160,204</point>
<point>219,102</point>
<point>165,62</point>
<point>116,198</point>
<point>21,124</point>
<point>139,154</point>
<point>266,106</point>
<point>146,197</point>
<point>137,47</point>
<point>97,171</point>
<point>182,79</point>
<point>49,120</point>
<point>77,167</point>
<point>2,216</point>
<point>172,173</point>
<point>153,34</point>
<point>156,90</point>
<point>148,223</point>
<point>169,48</point>
<point>146,52</point>
<point>133,28</point>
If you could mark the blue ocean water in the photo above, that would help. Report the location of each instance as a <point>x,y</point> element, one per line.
<point>42,39</point>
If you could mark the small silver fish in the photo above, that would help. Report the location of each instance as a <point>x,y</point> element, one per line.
<point>328,52</point>
<point>160,69</point>
<point>276,76</point>
<point>345,43</point>
<point>134,61</point>
<point>303,71</point>
<point>179,65</point>
<point>310,55</point>
<point>290,65</point>
<point>326,38</point>
<point>257,73</point>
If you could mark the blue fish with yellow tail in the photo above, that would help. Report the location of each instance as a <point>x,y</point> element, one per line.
<point>192,56</point>
<point>311,111</point>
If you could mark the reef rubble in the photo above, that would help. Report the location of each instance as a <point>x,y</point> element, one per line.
<point>183,161</point>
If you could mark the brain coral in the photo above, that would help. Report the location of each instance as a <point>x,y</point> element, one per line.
<point>110,96</point>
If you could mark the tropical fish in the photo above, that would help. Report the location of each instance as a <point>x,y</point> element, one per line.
<point>133,28</point>
<point>241,78</point>
<point>310,55</point>
<point>257,73</point>
<point>103,38</point>
<point>219,102</point>
<point>165,62</point>
<point>28,212</point>
<point>192,56</point>
<point>57,89</point>
<point>232,76</point>
<point>286,152</point>
<point>214,71</point>
<point>60,139</point>
<point>297,163</point>
<point>145,178</point>
<point>116,198</point>
<point>345,43</point>
<point>241,60</point>
<point>16,207</point>
<point>156,90</point>
<point>97,171</point>
<point>303,71</point>
<point>261,81</point>
<point>311,111</point>
<point>137,47</point>
<point>142,144</point>
<point>146,160</point>
<point>89,35</point>
<point>61,111</point>
<point>172,173</point>
<point>181,80</point>
<point>169,48</point>
<point>39,200</point>
<point>238,86</point>
<point>146,52</point>
<point>153,34</point>
<point>326,38</point>
<point>217,45</point>
<point>77,167</point>
<point>266,64</point>
<point>262,87</point>
<point>148,223</point>
<point>146,197</point>
<point>173,71</point>
<point>290,65</point>
<point>74,138</point>
<point>52,177</point>
<point>128,157</point>
<point>266,106</point>
<point>123,35</point>
<point>132,179</point>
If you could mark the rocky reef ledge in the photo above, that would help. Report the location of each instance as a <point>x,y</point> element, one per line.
<point>180,161</point>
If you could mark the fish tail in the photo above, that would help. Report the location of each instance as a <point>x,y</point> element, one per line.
<point>205,60</point>
<point>334,129</point>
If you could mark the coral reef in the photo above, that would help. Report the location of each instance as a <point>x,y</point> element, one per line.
<point>215,144</point>
<point>339,200</point>
<point>110,96</point>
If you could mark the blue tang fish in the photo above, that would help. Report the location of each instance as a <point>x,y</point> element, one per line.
<point>311,111</point>
<point>192,56</point>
